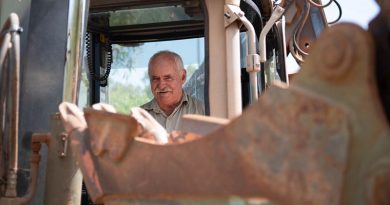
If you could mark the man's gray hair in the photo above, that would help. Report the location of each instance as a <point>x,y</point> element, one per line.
<point>175,56</point>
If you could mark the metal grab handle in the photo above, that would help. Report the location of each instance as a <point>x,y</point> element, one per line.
<point>10,76</point>
<point>233,13</point>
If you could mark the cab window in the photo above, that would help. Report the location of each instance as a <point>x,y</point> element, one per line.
<point>123,35</point>
<point>128,83</point>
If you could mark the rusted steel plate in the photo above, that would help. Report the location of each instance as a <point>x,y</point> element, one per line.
<point>320,141</point>
<point>202,125</point>
<point>270,151</point>
<point>110,133</point>
<point>341,69</point>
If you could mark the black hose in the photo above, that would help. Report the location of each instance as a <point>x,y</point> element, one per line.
<point>256,9</point>
<point>340,13</point>
<point>320,5</point>
<point>280,57</point>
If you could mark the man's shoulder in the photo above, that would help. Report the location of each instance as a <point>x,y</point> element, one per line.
<point>195,104</point>
<point>190,98</point>
<point>194,100</point>
<point>149,105</point>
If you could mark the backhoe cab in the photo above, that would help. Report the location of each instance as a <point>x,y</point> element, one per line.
<point>322,137</point>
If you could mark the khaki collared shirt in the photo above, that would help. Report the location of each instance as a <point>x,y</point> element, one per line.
<point>188,105</point>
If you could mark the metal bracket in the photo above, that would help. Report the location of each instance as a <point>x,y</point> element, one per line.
<point>253,63</point>
<point>65,140</point>
<point>276,14</point>
<point>232,13</point>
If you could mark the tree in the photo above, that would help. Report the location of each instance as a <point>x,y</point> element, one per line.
<point>123,56</point>
<point>124,97</point>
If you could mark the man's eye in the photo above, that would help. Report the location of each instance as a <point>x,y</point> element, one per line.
<point>168,78</point>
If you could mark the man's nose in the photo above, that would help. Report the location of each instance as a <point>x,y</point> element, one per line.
<point>161,84</point>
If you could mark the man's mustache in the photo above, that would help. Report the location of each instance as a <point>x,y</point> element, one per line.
<point>164,90</point>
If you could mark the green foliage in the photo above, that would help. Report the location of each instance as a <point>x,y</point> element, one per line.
<point>190,70</point>
<point>124,97</point>
<point>123,56</point>
<point>146,16</point>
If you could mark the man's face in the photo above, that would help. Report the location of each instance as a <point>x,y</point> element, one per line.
<point>166,82</point>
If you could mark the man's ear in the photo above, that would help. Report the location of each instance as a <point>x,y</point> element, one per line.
<point>184,76</point>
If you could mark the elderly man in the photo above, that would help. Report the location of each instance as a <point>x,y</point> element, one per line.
<point>167,76</point>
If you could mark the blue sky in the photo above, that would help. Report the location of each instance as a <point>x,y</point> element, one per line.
<point>356,11</point>
<point>188,49</point>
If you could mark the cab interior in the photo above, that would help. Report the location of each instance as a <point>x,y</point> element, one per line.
<point>123,34</point>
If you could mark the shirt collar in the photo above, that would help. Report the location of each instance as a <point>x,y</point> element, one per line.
<point>152,105</point>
